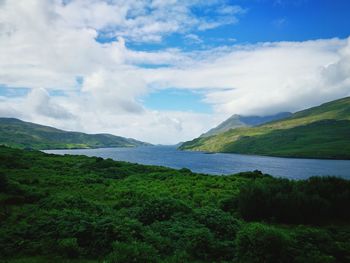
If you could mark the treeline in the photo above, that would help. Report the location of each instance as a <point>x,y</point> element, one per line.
<point>81,209</point>
<point>317,200</point>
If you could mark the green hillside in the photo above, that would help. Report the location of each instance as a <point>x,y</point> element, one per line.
<point>239,121</point>
<point>87,209</point>
<point>20,134</point>
<point>319,132</point>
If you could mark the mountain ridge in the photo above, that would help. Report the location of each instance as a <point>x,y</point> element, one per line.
<point>318,132</point>
<point>237,121</point>
<point>22,134</point>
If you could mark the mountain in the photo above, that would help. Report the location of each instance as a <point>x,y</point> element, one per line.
<point>238,121</point>
<point>20,134</point>
<point>318,132</point>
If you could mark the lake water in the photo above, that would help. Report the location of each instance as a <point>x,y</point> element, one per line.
<point>219,163</point>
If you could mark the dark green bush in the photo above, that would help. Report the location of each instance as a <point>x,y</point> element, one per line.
<point>71,202</point>
<point>330,244</point>
<point>313,201</point>
<point>3,182</point>
<point>69,247</point>
<point>200,243</point>
<point>185,171</point>
<point>132,252</point>
<point>160,209</point>
<point>221,223</point>
<point>258,243</point>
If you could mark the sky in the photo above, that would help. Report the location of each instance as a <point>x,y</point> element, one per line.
<point>165,71</point>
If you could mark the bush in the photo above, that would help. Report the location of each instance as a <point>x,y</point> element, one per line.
<point>256,174</point>
<point>70,202</point>
<point>313,201</point>
<point>69,247</point>
<point>132,252</point>
<point>221,223</point>
<point>3,182</point>
<point>161,209</point>
<point>200,243</point>
<point>258,243</point>
<point>185,171</point>
<point>315,245</point>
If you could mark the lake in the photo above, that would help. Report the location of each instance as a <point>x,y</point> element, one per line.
<point>219,163</point>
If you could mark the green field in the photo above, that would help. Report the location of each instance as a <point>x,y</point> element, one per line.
<point>20,134</point>
<point>87,209</point>
<point>319,132</point>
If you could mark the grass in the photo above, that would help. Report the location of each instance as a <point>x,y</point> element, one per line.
<point>320,132</point>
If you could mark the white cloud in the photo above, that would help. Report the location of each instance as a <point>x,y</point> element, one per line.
<point>39,102</point>
<point>193,38</point>
<point>112,90</point>
<point>144,20</point>
<point>47,45</point>
<point>267,77</point>
<point>230,10</point>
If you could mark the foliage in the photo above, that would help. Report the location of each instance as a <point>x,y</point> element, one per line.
<point>260,243</point>
<point>69,247</point>
<point>87,209</point>
<point>3,182</point>
<point>313,201</point>
<point>132,252</point>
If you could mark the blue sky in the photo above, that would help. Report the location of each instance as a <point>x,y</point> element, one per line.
<point>291,20</point>
<point>176,100</point>
<point>167,71</point>
<point>268,21</point>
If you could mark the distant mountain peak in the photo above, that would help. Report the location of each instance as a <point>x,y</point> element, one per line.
<point>238,121</point>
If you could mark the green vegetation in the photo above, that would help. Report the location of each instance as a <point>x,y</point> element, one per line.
<point>319,132</point>
<point>313,201</point>
<point>87,209</point>
<point>238,121</point>
<point>20,134</point>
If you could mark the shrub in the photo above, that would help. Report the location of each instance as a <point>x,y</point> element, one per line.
<point>185,171</point>
<point>68,247</point>
<point>161,209</point>
<point>314,245</point>
<point>70,202</point>
<point>313,201</point>
<point>3,182</point>
<point>200,243</point>
<point>221,223</point>
<point>258,243</point>
<point>132,252</point>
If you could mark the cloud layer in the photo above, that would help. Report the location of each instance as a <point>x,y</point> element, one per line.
<point>77,82</point>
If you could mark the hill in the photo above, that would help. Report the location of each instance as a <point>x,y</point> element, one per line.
<point>238,121</point>
<point>20,134</point>
<point>86,209</point>
<point>318,132</point>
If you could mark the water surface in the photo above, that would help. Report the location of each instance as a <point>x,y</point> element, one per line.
<point>219,163</point>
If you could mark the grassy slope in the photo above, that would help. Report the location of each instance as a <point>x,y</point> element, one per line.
<point>81,209</point>
<point>238,121</point>
<point>20,134</point>
<point>319,132</point>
